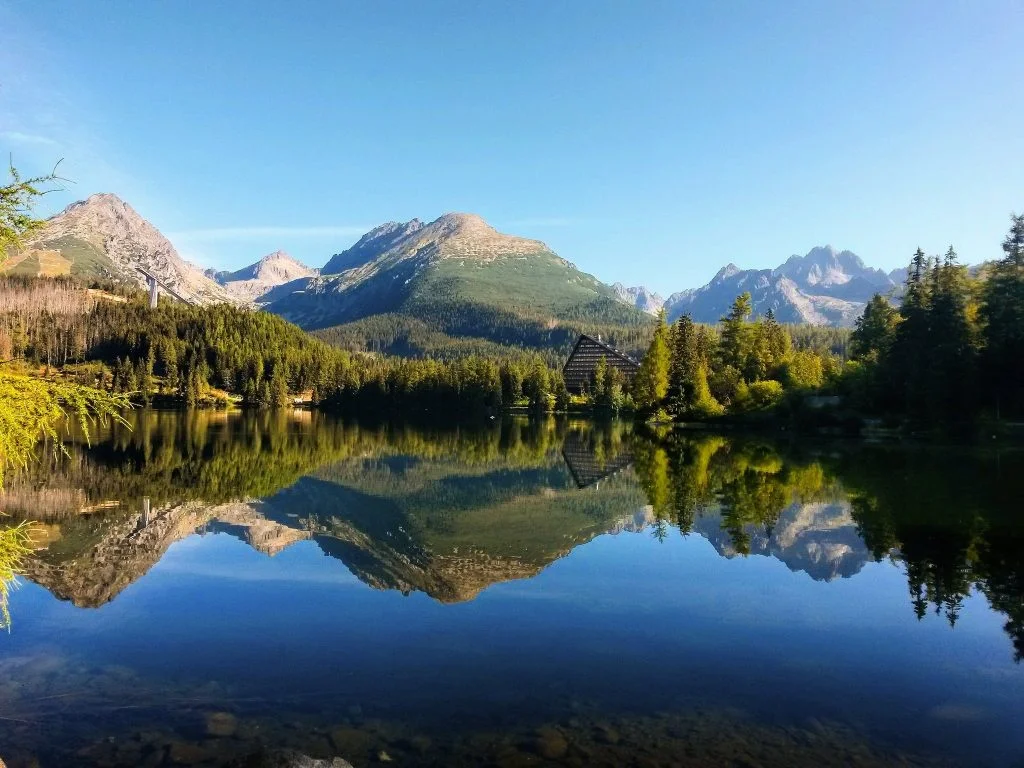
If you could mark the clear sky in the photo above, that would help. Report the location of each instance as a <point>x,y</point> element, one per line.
<point>648,142</point>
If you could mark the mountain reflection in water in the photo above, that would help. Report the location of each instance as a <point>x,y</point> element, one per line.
<point>452,512</point>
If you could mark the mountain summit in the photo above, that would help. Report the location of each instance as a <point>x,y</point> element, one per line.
<point>640,297</point>
<point>823,287</point>
<point>257,282</point>
<point>457,275</point>
<point>102,236</point>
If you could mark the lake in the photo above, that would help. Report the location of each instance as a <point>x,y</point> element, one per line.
<point>520,593</point>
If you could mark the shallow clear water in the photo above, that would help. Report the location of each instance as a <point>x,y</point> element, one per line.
<point>521,593</point>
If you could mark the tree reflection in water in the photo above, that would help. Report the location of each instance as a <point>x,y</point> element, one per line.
<point>450,511</point>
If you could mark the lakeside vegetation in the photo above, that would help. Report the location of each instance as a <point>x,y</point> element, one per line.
<point>948,357</point>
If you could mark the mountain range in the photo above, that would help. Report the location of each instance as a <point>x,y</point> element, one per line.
<point>454,280</point>
<point>825,287</point>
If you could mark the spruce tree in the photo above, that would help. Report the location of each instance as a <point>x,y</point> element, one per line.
<point>874,331</point>
<point>735,342</point>
<point>1002,311</point>
<point>650,386</point>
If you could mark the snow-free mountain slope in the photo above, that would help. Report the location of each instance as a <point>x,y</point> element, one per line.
<point>256,282</point>
<point>104,237</point>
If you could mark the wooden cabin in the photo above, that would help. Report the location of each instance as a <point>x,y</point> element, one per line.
<point>578,371</point>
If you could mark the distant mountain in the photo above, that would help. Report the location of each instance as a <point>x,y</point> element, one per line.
<point>256,283</point>
<point>825,287</point>
<point>820,539</point>
<point>639,297</point>
<point>103,237</point>
<point>460,277</point>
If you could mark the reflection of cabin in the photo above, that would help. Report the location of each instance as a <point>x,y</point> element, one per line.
<point>586,467</point>
<point>579,368</point>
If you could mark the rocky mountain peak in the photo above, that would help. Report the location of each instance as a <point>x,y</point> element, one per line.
<point>370,246</point>
<point>729,270</point>
<point>826,286</point>
<point>640,297</point>
<point>104,236</point>
<point>252,283</point>
<point>468,236</point>
<point>283,265</point>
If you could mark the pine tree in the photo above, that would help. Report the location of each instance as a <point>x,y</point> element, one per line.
<point>909,362</point>
<point>951,347</point>
<point>1002,312</point>
<point>875,329</point>
<point>683,365</point>
<point>650,385</point>
<point>735,342</point>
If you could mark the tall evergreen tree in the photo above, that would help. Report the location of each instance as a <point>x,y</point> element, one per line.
<point>1002,312</point>
<point>683,364</point>
<point>735,341</point>
<point>875,329</point>
<point>909,364</point>
<point>951,348</point>
<point>650,385</point>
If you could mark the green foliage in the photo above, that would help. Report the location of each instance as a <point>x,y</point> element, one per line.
<point>17,198</point>
<point>650,385</point>
<point>15,546</point>
<point>954,347</point>
<point>764,394</point>
<point>875,330</point>
<point>734,345</point>
<point>1002,315</point>
<point>33,408</point>
<point>803,370</point>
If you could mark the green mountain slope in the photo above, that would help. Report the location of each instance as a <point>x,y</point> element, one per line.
<point>460,278</point>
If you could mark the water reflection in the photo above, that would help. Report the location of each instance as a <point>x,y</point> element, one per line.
<point>248,570</point>
<point>451,512</point>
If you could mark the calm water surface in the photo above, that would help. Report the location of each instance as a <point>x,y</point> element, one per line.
<point>524,593</point>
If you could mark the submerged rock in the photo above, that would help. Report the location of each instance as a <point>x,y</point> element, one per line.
<point>287,758</point>
<point>551,744</point>
<point>222,724</point>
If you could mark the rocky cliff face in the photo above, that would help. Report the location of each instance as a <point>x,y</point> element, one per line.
<point>103,236</point>
<point>371,245</point>
<point>824,287</point>
<point>640,297</point>
<point>257,282</point>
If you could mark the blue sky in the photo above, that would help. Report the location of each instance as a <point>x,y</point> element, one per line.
<point>647,142</point>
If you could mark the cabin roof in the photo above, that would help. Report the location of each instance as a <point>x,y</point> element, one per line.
<point>607,348</point>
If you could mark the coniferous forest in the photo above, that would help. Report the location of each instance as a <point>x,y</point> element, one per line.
<point>948,355</point>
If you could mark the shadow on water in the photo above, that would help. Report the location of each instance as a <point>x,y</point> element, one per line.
<point>530,648</point>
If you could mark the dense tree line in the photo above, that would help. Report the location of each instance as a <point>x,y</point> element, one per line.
<point>194,352</point>
<point>954,349</point>
<point>468,330</point>
<point>694,371</point>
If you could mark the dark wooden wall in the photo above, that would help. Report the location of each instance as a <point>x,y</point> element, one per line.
<point>579,368</point>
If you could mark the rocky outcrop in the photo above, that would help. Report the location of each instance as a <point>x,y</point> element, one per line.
<point>105,237</point>
<point>639,297</point>
<point>256,283</point>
